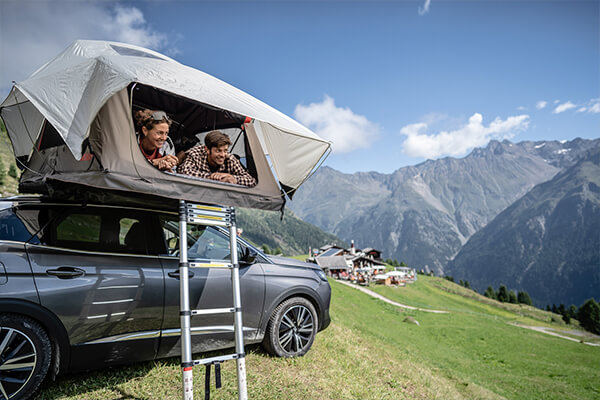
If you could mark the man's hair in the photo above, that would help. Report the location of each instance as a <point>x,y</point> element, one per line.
<point>216,139</point>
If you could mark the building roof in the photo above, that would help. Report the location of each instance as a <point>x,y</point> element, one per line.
<point>333,262</point>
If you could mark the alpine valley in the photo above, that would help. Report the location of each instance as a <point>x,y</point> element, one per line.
<point>526,215</point>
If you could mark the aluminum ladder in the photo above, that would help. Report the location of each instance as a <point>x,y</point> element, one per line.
<point>211,215</point>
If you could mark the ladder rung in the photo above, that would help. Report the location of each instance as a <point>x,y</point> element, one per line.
<point>213,311</point>
<point>210,222</point>
<point>219,359</point>
<point>210,264</point>
<point>208,207</point>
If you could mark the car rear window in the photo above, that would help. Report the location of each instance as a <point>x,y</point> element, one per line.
<point>15,227</point>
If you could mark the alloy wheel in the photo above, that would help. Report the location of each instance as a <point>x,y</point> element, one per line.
<point>18,358</point>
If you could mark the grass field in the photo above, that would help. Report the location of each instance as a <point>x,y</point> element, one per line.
<point>368,352</point>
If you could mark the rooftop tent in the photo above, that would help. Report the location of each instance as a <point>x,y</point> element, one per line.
<point>71,127</point>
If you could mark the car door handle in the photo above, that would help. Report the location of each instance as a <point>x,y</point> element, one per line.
<point>66,272</point>
<point>175,274</point>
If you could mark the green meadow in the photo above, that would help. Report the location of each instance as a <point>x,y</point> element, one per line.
<point>368,352</point>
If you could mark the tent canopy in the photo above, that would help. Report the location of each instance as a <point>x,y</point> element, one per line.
<point>71,122</point>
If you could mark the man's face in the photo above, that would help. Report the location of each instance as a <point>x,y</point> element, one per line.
<point>217,155</point>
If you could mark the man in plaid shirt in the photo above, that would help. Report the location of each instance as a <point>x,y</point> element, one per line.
<point>213,161</point>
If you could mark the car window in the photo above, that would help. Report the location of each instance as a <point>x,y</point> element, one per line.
<point>97,229</point>
<point>79,228</point>
<point>205,242</point>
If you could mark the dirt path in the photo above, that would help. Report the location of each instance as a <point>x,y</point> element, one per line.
<point>550,331</point>
<point>380,297</point>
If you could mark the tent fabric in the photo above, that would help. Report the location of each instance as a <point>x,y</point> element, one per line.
<point>72,89</point>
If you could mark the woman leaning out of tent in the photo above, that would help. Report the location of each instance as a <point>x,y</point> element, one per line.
<point>153,138</point>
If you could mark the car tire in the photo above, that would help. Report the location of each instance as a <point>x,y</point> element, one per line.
<point>292,328</point>
<point>25,354</point>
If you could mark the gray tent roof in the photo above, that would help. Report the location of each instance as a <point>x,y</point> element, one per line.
<point>73,90</point>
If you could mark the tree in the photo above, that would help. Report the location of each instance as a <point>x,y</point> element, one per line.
<point>449,278</point>
<point>572,311</point>
<point>489,292</point>
<point>589,316</point>
<point>12,171</point>
<point>2,173</point>
<point>266,249</point>
<point>523,298</point>
<point>467,285</point>
<point>554,309</point>
<point>502,294</point>
<point>512,297</point>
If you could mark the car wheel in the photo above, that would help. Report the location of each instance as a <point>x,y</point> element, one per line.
<point>25,354</point>
<point>292,328</point>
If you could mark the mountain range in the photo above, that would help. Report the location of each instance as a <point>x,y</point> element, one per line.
<point>548,241</point>
<point>425,214</point>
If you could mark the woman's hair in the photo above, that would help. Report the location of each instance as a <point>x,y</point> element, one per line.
<point>149,118</point>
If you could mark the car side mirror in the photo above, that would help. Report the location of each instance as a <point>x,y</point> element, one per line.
<point>248,256</point>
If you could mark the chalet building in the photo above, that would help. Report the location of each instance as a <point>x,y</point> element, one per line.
<point>333,259</point>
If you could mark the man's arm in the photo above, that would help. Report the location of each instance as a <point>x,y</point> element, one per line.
<point>239,172</point>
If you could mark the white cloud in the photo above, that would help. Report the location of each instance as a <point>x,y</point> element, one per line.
<point>541,104</point>
<point>582,109</point>
<point>459,141</point>
<point>521,108</point>
<point>348,131</point>
<point>563,107</point>
<point>34,31</point>
<point>425,9</point>
<point>594,106</point>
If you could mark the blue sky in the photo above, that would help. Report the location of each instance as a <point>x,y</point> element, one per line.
<point>391,83</point>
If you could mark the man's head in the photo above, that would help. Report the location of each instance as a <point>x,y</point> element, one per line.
<point>217,146</point>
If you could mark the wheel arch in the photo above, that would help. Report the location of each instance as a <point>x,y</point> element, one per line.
<point>50,322</point>
<point>304,292</point>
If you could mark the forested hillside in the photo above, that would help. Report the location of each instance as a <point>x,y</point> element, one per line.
<point>290,235</point>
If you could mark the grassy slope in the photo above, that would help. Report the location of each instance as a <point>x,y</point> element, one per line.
<point>368,352</point>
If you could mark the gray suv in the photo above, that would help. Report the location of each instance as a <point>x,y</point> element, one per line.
<point>85,286</point>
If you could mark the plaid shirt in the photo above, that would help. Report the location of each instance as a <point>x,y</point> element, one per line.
<point>196,164</point>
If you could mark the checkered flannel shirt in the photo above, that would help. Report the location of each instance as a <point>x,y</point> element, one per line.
<point>195,164</point>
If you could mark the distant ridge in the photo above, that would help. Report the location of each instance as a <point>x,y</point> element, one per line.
<point>423,214</point>
<point>547,243</point>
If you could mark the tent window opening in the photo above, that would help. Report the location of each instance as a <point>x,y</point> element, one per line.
<point>188,123</point>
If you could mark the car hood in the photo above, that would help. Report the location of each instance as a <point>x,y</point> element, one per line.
<point>292,263</point>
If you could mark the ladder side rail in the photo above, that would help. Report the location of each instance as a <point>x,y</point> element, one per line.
<point>184,307</point>
<point>237,304</point>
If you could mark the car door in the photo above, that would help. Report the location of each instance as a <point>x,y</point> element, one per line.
<point>209,288</point>
<point>93,270</point>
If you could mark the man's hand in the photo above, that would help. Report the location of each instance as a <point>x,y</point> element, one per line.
<point>223,177</point>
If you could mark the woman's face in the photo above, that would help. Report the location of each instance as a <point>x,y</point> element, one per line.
<point>156,136</point>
